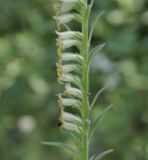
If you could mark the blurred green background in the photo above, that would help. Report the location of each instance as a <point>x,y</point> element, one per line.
<point>28,109</point>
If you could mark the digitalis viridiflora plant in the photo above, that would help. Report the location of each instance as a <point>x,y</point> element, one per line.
<point>73,73</point>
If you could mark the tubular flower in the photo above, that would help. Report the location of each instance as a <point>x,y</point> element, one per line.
<point>69,65</point>
<point>69,78</point>
<point>70,126</point>
<point>67,43</point>
<point>68,102</point>
<point>72,57</point>
<point>67,68</point>
<point>68,117</point>
<point>71,91</point>
<point>69,35</point>
<point>67,18</point>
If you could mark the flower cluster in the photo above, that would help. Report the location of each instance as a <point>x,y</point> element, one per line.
<point>69,65</point>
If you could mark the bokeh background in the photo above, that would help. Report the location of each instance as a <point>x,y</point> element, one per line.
<point>28,108</point>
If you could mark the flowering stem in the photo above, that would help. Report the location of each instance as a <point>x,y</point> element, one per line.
<point>73,72</point>
<point>85,84</point>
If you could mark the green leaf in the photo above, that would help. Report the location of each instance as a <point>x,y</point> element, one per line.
<point>96,50</point>
<point>96,96</point>
<point>60,145</point>
<point>91,4</point>
<point>98,121</point>
<point>103,154</point>
<point>94,24</point>
<point>92,158</point>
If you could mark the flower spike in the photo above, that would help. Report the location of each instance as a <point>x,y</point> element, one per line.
<point>73,72</point>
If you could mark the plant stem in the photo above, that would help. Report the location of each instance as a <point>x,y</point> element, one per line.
<point>85,83</point>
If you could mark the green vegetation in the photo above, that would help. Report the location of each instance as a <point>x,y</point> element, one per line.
<point>28,109</point>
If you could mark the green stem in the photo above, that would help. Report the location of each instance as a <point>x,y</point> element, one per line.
<point>85,83</point>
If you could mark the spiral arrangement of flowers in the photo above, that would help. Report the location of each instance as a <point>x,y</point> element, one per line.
<point>70,65</point>
<point>73,73</point>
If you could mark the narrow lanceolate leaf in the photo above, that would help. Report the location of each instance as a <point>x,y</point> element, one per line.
<point>103,154</point>
<point>94,24</point>
<point>91,4</point>
<point>98,121</point>
<point>60,145</point>
<point>96,96</point>
<point>96,50</point>
<point>92,158</point>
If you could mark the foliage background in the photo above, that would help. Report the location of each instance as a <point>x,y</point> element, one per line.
<point>28,109</point>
